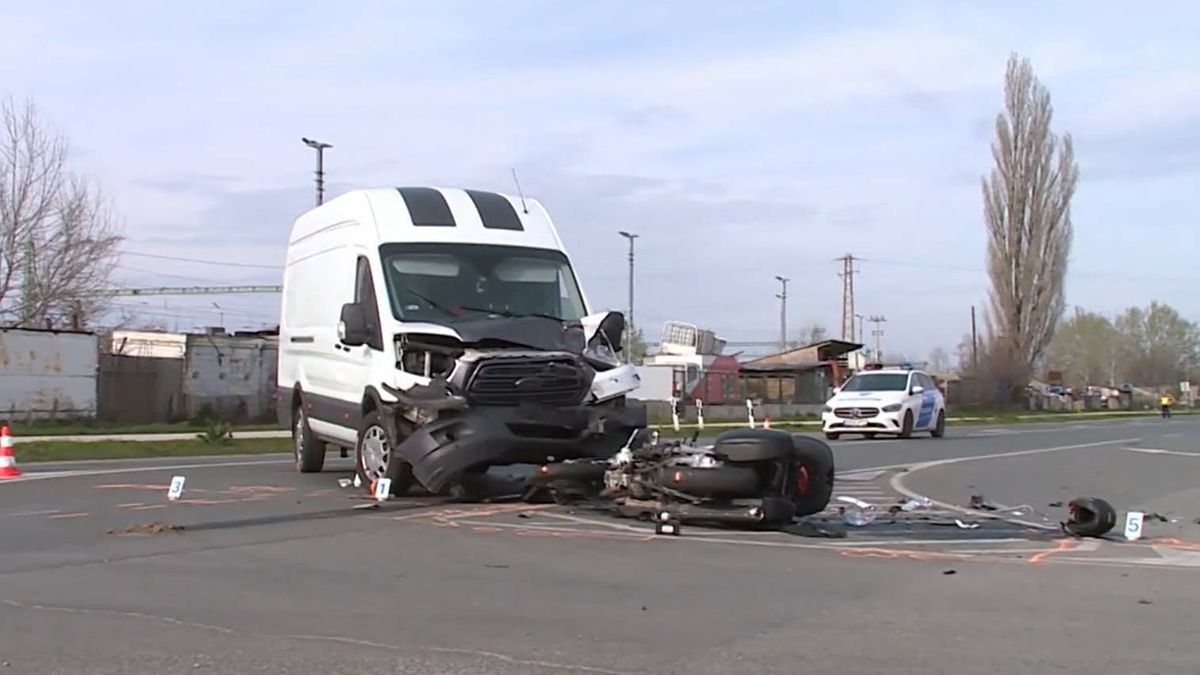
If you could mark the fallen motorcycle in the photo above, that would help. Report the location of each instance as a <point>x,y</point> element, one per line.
<point>755,478</point>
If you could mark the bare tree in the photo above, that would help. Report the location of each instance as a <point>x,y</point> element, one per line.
<point>939,360</point>
<point>1027,210</point>
<point>58,240</point>
<point>812,332</point>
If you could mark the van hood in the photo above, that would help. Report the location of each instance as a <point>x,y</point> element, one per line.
<point>527,332</point>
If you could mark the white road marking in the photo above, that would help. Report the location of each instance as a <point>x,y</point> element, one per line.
<point>1155,451</point>
<point>897,481</point>
<point>138,469</point>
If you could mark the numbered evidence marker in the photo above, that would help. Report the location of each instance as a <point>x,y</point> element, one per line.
<point>383,488</point>
<point>1133,525</point>
<point>176,489</point>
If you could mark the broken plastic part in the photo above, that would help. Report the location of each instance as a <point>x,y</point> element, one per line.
<point>860,513</point>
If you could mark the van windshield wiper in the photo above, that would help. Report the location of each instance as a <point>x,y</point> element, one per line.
<point>432,303</point>
<point>512,315</point>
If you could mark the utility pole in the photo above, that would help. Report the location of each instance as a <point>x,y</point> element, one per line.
<point>974,341</point>
<point>878,333</point>
<point>847,275</point>
<point>629,327</point>
<point>782,313</point>
<point>862,334</point>
<point>320,147</point>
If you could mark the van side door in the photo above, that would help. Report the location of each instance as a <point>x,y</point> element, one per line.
<point>352,363</point>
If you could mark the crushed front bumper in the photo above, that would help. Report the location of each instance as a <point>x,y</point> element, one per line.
<point>457,441</point>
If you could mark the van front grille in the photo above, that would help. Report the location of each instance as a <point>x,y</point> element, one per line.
<point>511,381</point>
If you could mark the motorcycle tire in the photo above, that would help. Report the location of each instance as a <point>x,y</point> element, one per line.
<point>810,475</point>
<point>753,445</point>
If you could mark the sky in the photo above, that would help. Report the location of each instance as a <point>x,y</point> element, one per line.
<point>741,141</point>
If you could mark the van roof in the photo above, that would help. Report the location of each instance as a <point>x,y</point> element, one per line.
<point>439,214</point>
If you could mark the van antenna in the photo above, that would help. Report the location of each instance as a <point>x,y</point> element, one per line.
<point>524,208</point>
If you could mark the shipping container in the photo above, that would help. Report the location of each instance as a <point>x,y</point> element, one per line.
<point>47,374</point>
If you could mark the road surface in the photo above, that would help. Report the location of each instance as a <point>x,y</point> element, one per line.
<point>279,572</point>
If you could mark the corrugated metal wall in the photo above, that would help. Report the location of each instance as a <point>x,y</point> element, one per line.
<point>234,377</point>
<point>47,374</point>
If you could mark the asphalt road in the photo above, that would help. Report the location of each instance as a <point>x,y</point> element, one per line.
<point>279,572</point>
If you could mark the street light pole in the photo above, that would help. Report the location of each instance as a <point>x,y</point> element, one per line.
<point>782,313</point>
<point>878,333</point>
<point>320,148</point>
<point>629,327</point>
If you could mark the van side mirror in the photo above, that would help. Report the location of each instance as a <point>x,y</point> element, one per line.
<point>352,326</point>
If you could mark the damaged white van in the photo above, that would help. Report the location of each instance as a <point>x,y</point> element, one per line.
<point>436,332</point>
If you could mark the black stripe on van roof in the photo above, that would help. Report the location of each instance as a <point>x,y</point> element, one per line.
<point>496,212</point>
<point>427,207</point>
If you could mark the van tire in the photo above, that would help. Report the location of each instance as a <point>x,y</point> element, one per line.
<point>308,451</point>
<point>372,430</point>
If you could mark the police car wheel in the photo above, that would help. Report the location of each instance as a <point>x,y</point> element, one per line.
<point>831,435</point>
<point>939,428</point>
<point>907,429</point>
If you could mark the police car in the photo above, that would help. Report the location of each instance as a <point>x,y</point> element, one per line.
<point>886,401</point>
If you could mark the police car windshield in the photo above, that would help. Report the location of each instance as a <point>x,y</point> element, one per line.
<point>877,382</point>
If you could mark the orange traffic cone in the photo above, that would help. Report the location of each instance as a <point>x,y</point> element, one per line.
<point>8,463</point>
<point>766,422</point>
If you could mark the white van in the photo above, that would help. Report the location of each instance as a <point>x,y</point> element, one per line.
<point>437,332</point>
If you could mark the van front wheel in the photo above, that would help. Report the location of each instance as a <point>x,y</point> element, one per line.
<point>375,458</point>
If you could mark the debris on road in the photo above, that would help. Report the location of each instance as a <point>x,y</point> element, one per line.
<point>807,528</point>
<point>950,572</point>
<point>979,502</point>
<point>862,513</point>
<point>149,528</point>
<point>1089,517</point>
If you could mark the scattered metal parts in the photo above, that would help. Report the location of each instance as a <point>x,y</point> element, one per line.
<point>807,528</point>
<point>149,528</point>
<point>982,504</point>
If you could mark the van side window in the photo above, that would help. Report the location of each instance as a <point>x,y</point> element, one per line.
<point>364,294</point>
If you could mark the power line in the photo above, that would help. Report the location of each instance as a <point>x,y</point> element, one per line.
<point>200,261</point>
<point>190,290</point>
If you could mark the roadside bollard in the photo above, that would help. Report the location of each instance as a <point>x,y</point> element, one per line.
<point>750,412</point>
<point>675,413</point>
<point>700,413</point>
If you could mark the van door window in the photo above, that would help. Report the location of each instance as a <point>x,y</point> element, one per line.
<point>364,294</point>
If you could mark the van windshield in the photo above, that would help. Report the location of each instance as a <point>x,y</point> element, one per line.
<point>445,283</point>
<point>877,382</point>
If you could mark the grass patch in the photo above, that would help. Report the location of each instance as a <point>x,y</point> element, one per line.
<point>57,451</point>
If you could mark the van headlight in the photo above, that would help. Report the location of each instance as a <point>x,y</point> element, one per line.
<point>601,354</point>
<point>895,407</point>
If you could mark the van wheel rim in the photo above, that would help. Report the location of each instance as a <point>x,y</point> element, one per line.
<point>299,434</point>
<point>375,452</point>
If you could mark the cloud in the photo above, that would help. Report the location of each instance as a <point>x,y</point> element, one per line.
<point>742,141</point>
